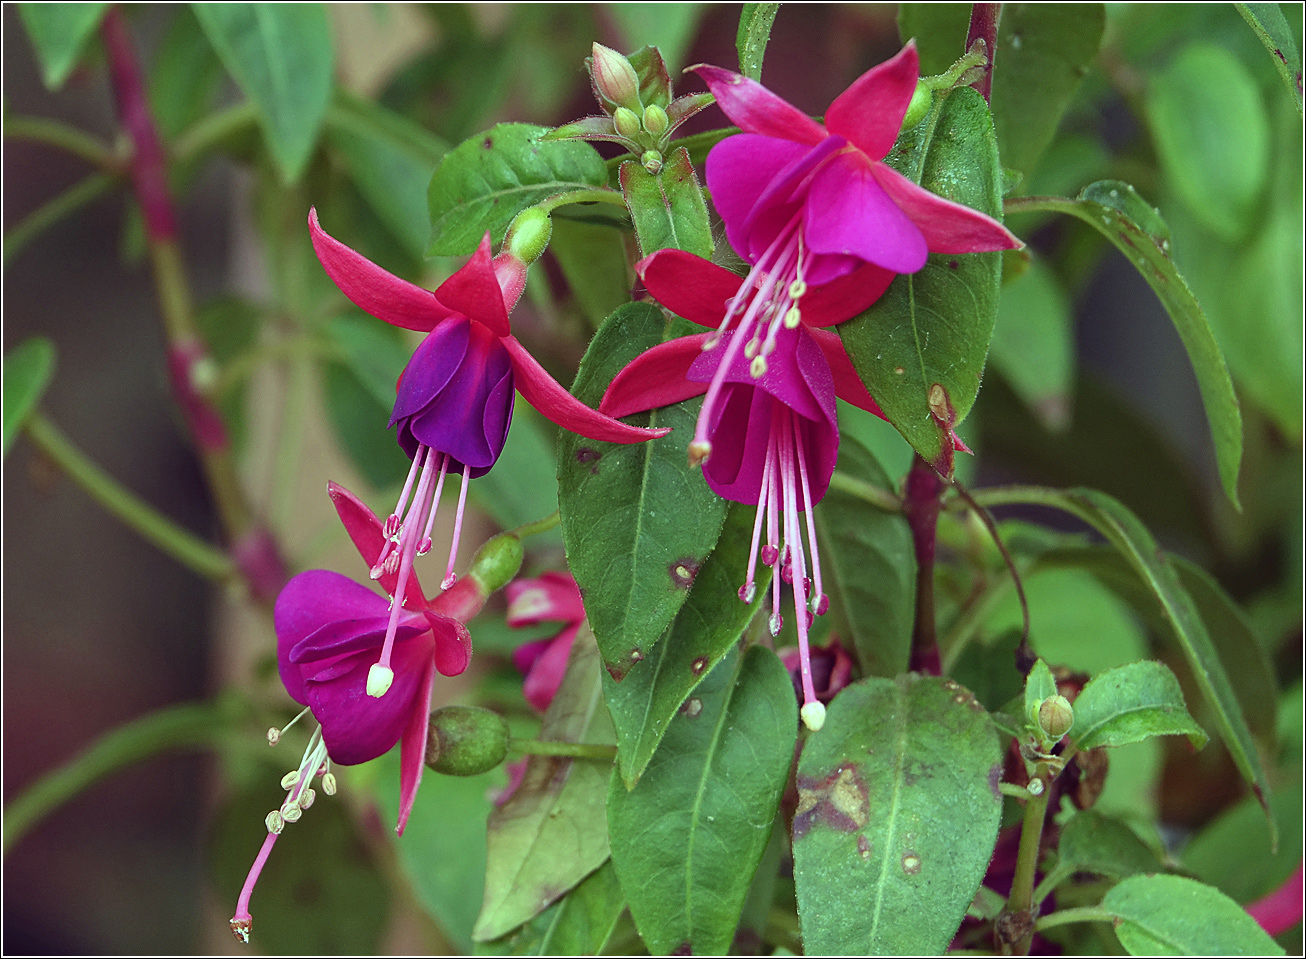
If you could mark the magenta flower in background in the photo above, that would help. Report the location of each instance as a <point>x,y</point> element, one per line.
<point>551,597</point>
<point>455,397</point>
<point>1281,909</point>
<point>832,669</point>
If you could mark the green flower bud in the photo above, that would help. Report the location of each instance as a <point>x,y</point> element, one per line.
<point>465,740</point>
<point>921,100</point>
<point>656,120</point>
<point>497,562</point>
<point>652,161</point>
<point>528,235</point>
<point>626,122</point>
<point>614,78</point>
<point>1055,716</point>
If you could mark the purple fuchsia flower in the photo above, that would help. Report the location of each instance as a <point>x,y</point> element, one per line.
<point>551,597</point>
<point>330,630</point>
<point>455,397</point>
<point>811,205</point>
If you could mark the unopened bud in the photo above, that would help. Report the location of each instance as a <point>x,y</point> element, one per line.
<point>921,100</point>
<point>466,740</point>
<point>1056,716</point>
<point>813,715</point>
<point>656,120</point>
<point>528,235</point>
<point>652,162</point>
<point>497,562</point>
<point>614,78</point>
<point>626,122</point>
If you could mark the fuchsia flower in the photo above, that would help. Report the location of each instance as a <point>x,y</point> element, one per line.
<point>454,399</point>
<point>832,669</point>
<point>1280,910</point>
<point>552,597</point>
<point>330,630</point>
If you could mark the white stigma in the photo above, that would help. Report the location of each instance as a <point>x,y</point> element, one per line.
<point>813,716</point>
<point>379,679</point>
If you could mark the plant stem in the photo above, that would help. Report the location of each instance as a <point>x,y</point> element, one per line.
<point>879,498</point>
<point>597,195</point>
<point>539,747</point>
<point>48,214</point>
<point>1020,902</point>
<point>539,526</point>
<point>984,26</point>
<point>1083,914</point>
<point>923,499</point>
<point>182,545</point>
<point>56,134</point>
<point>213,131</point>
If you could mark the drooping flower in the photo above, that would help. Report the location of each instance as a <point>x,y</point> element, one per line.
<point>812,206</point>
<point>330,630</point>
<point>455,397</point>
<point>551,597</point>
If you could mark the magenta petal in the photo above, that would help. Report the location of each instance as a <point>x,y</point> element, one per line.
<point>845,297</point>
<point>544,393</point>
<point>548,597</point>
<point>739,169</point>
<point>948,227</point>
<point>474,291</point>
<point>412,750</point>
<point>524,656</point>
<point>739,437</point>
<point>432,365</point>
<point>755,109</point>
<point>371,288</point>
<point>784,377</point>
<point>657,377</point>
<point>848,386</point>
<point>545,676</point>
<point>689,285</point>
<point>869,113</point>
<point>366,531</point>
<point>453,644</point>
<point>849,213</point>
<point>309,601</point>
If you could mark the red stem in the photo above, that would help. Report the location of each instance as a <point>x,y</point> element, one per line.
<point>984,26</point>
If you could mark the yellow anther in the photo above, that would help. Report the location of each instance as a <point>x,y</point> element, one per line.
<point>289,779</point>
<point>792,318</point>
<point>796,289</point>
<point>699,451</point>
<point>329,784</point>
<point>758,367</point>
<point>750,348</point>
<point>274,822</point>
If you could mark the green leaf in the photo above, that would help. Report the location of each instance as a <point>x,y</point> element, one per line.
<point>637,520</point>
<point>1268,23</point>
<point>1124,532</point>
<point>687,839</point>
<point>550,834</point>
<point>1132,703</point>
<point>184,77</point>
<point>1034,344</point>
<point>579,924</point>
<point>28,368</point>
<point>1123,217</point>
<point>442,850</point>
<point>319,871</point>
<point>391,160</point>
<point>707,627</point>
<point>1234,853</point>
<point>668,26</point>
<point>1091,842</point>
<point>1171,915</point>
<point>939,30</point>
<point>1044,50</point>
<point>921,347</point>
<point>898,812</point>
<point>754,31</point>
<point>485,181</point>
<point>593,259</point>
<point>1212,135</point>
<point>59,32</point>
<point>281,58</point>
<point>870,566</point>
<point>668,210</point>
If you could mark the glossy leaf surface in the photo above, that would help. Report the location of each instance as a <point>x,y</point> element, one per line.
<point>1131,703</point>
<point>668,209</point>
<point>1173,915</point>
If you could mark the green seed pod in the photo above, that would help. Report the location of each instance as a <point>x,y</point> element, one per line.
<point>466,740</point>
<point>528,235</point>
<point>497,562</point>
<point>1055,716</point>
<point>921,100</point>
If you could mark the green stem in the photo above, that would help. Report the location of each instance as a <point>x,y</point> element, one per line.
<point>539,526</point>
<point>56,134</point>
<point>1065,916</point>
<point>48,214</point>
<point>1059,874</point>
<point>539,747</point>
<point>879,498</point>
<point>1031,837</point>
<point>213,131</point>
<point>243,365</point>
<point>183,546</point>
<point>597,195</point>
<point>1014,791</point>
<point>187,726</point>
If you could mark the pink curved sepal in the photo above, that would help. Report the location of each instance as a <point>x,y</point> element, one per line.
<point>412,751</point>
<point>368,536</point>
<point>755,109</point>
<point>657,377</point>
<point>689,285</point>
<point>948,227</point>
<point>869,113</point>
<point>474,291</point>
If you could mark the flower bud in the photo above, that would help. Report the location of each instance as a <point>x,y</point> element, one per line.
<point>656,120</point>
<point>528,235</point>
<point>614,78</point>
<point>652,161</point>
<point>497,562</point>
<point>1055,716</point>
<point>626,122</point>
<point>921,101</point>
<point>466,740</point>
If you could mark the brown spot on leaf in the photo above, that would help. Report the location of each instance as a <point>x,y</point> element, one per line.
<point>488,143</point>
<point>587,455</point>
<point>863,846</point>
<point>683,572</point>
<point>953,264</point>
<point>995,777</point>
<point>698,665</point>
<point>692,707</point>
<point>839,800</point>
<point>911,863</point>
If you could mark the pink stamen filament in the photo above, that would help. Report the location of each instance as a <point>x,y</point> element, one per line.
<point>241,921</point>
<point>811,521</point>
<point>794,540</point>
<point>431,508</point>
<point>748,589</point>
<point>407,549</point>
<point>776,504</point>
<point>449,577</point>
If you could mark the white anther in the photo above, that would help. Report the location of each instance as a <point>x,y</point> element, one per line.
<point>274,822</point>
<point>329,784</point>
<point>274,736</point>
<point>306,799</point>
<point>291,812</point>
<point>289,779</point>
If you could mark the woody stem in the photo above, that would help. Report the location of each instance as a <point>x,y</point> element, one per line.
<point>984,26</point>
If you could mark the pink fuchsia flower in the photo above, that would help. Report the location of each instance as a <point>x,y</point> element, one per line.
<point>832,669</point>
<point>454,399</point>
<point>1281,909</point>
<point>552,597</point>
<point>329,632</point>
